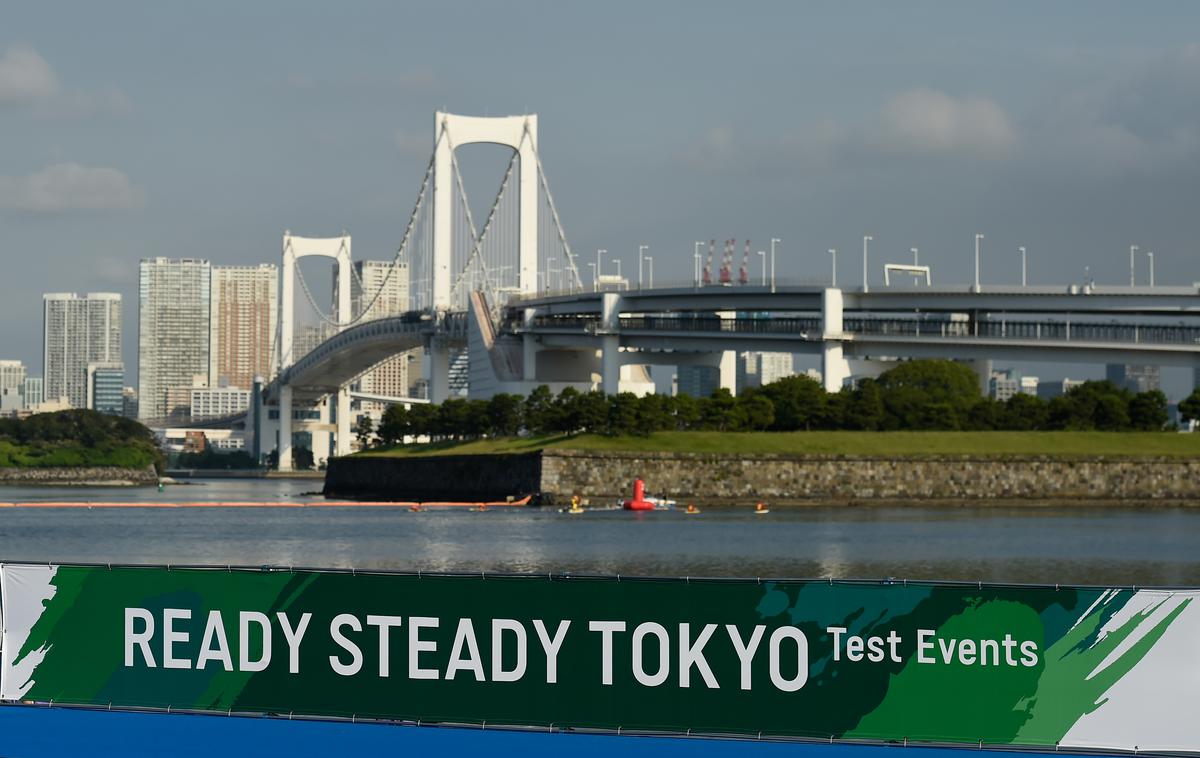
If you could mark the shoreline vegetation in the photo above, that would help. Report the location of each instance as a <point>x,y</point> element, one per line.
<point>919,408</point>
<point>76,439</point>
<point>923,444</point>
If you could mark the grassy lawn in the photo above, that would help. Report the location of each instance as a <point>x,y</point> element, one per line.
<point>837,443</point>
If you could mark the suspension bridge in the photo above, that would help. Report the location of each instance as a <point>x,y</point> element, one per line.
<point>446,254</point>
<point>506,291</point>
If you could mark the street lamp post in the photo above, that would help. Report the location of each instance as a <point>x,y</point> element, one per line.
<point>641,254</point>
<point>774,241</point>
<point>1024,270</point>
<point>600,252</point>
<point>833,274</point>
<point>618,262</point>
<point>1150,255</point>
<point>866,238</point>
<point>595,277</point>
<point>978,237</point>
<point>1132,275</point>
<point>762,254</point>
<point>650,265</point>
<point>696,260</point>
<point>913,250</point>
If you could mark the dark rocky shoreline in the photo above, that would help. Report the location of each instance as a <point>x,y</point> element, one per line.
<point>713,479</point>
<point>94,476</point>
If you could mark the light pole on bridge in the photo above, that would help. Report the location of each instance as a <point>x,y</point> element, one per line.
<point>774,241</point>
<point>641,255</point>
<point>1150,255</point>
<point>978,238</point>
<point>1024,270</point>
<point>599,252</point>
<point>696,261</point>
<point>650,265</point>
<point>763,255</point>
<point>866,238</point>
<point>595,277</point>
<point>1132,275</point>
<point>833,275</point>
<point>914,251</point>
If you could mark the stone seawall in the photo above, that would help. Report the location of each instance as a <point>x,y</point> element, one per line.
<point>828,479</point>
<point>806,480</point>
<point>458,477</point>
<point>79,476</point>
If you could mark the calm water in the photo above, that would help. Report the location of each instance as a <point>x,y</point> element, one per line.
<point>1080,545</point>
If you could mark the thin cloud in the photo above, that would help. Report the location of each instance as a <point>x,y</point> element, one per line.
<point>931,122</point>
<point>25,76</point>
<point>65,187</point>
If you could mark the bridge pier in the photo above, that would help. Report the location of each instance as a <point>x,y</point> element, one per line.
<point>342,433</point>
<point>835,369</point>
<point>439,371</point>
<point>284,447</point>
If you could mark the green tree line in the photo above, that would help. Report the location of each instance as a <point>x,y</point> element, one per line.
<point>915,395</point>
<point>77,438</point>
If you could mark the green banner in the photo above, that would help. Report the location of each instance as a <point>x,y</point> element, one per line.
<point>1000,665</point>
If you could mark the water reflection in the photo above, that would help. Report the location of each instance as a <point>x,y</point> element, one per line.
<point>1102,545</point>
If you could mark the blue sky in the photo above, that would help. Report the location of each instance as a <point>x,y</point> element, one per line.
<point>205,130</point>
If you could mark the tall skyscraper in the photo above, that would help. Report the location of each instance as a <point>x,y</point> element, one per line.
<point>760,369</point>
<point>382,291</point>
<point>77,331</point>
<point>1135,378</point>
<point>173,329</point>
<point>244,313</point>
<point>697,381</point>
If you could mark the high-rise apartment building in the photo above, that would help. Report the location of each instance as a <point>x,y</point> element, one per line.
<point>174,302</point>
<point>12,386</point>
<point>106,387</point>
<point>697,381</point>
<point>760,369</point>
<point>243,316</point>
<point>381,290</point>
<point>1135,378</point>
<point>78,330</point>
<point>33,391</point>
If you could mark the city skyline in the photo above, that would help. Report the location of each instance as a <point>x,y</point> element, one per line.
<point>919,125</point>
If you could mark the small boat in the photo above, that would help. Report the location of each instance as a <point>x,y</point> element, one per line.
<point>761,509</point>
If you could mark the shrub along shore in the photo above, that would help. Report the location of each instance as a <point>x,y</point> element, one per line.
<point>77,439</point>
<point>927,396</point>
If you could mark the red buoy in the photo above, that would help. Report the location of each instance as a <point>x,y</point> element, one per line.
<point>639,501</point>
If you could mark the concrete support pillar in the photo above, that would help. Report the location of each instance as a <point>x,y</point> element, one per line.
<point>319,435</point>
<point>439,371</point>
<point>610,364</point>
<point>285,428</point>
<point>529,347</point>
<point>610,355</point>
<point>343,435</point>
<point>835,369</point>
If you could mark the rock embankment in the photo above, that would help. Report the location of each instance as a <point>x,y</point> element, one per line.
<point>80,476</point>
<point>800,480</point>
